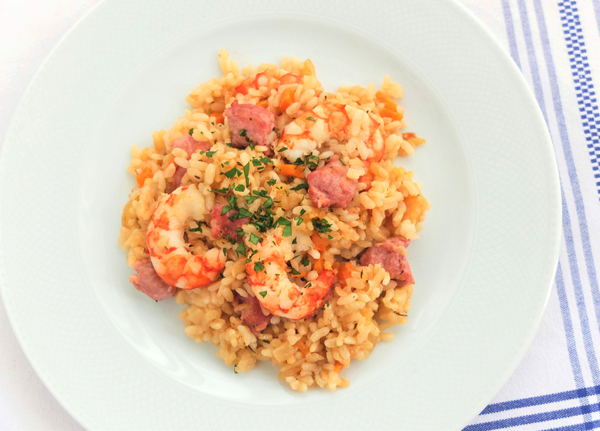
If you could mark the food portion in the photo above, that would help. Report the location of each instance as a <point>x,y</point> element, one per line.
<point>273,212</point>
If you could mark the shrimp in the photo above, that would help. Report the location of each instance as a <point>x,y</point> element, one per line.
<point>176,265</point>
<point>268,80</point>
<point>267,276</point>
<point>331,121</point>
<point>311,129</point>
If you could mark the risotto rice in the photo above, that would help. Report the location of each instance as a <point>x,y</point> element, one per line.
<point>314,230</point>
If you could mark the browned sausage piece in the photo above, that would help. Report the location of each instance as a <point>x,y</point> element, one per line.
<point>388,255</point>
<point>329,185</point>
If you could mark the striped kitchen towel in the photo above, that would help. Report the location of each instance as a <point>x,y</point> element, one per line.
<point>556,44</point>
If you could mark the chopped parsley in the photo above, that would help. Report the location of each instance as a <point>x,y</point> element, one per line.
<point>244,213</point>
<point>239,188</point>
<point>198,228</point>
<point>342,162</point>
<point>232,173</point>
<point>305,262</point>
<point>191,132</point>
<point>295,241</point>
<point>310,118</point>
<point>241,250</point>
<point>272,182</point>
<point>295,271</point>
<point>300,219</point>
<point>254,239</point>
<point>251,255</point>
<point>208,153</point>
<point>287,230</point>
<point>268,204</point>
<point>246,173</point>
<point>282,150</point>
<point>258,266</point>
<point>250,199</point>
<point>312,161</point>
<point>263,293</point>
<point>300,187</point>
<point>222,191</point>
<point>243,134</point>
<point>225,210</point>
<point>321,225</point>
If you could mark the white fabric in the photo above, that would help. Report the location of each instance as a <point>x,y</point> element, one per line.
<point>557,46</point>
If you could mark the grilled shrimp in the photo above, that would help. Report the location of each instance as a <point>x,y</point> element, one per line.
<point>267,276</point>
<point>176,265</point>
<point>331,121</point>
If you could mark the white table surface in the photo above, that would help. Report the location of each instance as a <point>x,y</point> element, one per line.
<point>29,29</point>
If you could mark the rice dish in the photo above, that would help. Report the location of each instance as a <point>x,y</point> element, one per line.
<point>272,212</point>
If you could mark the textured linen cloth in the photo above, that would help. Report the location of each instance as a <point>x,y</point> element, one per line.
<point>556,44</point>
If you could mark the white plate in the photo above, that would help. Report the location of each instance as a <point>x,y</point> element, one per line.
<point>484,264</point>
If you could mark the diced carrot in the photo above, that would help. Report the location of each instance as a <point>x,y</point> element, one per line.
<point>302,347</point>
<point>413,139</point>
<point>309,68</point>
<point>143,175</point>
<point>391,113</point>
<point>338,367</point>
<point>415,207</point>
<point>263,103</point>
<point>319,265</point>
<point>291,170</point>
<point>387,102</point>
<point>218,116</point>
<point>287,98</point>
<point>319,243</point>
<point>345,273</point>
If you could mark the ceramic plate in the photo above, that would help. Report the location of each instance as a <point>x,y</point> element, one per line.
<point>483,265</point>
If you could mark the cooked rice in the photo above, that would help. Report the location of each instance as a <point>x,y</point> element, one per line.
<point>314,351</point>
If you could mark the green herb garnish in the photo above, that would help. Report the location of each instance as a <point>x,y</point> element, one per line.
<point>300,187</point>
<point>321,225</point>
<point>241,250</point>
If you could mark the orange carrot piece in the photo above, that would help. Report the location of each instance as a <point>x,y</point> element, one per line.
<point>345,273</point>
<point>319,243</point>
<point>287,98</point>
<point>338,367</point>
<point>143,175</point>
<point>319,265</point>
<point>387,102</point>
<point>302,347</point>
<point>415,207</point>
<point>391,113</point>
<point>218,116</point>
<point>291,170</point>
<point>263,103</point>
<point>413,139</point>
